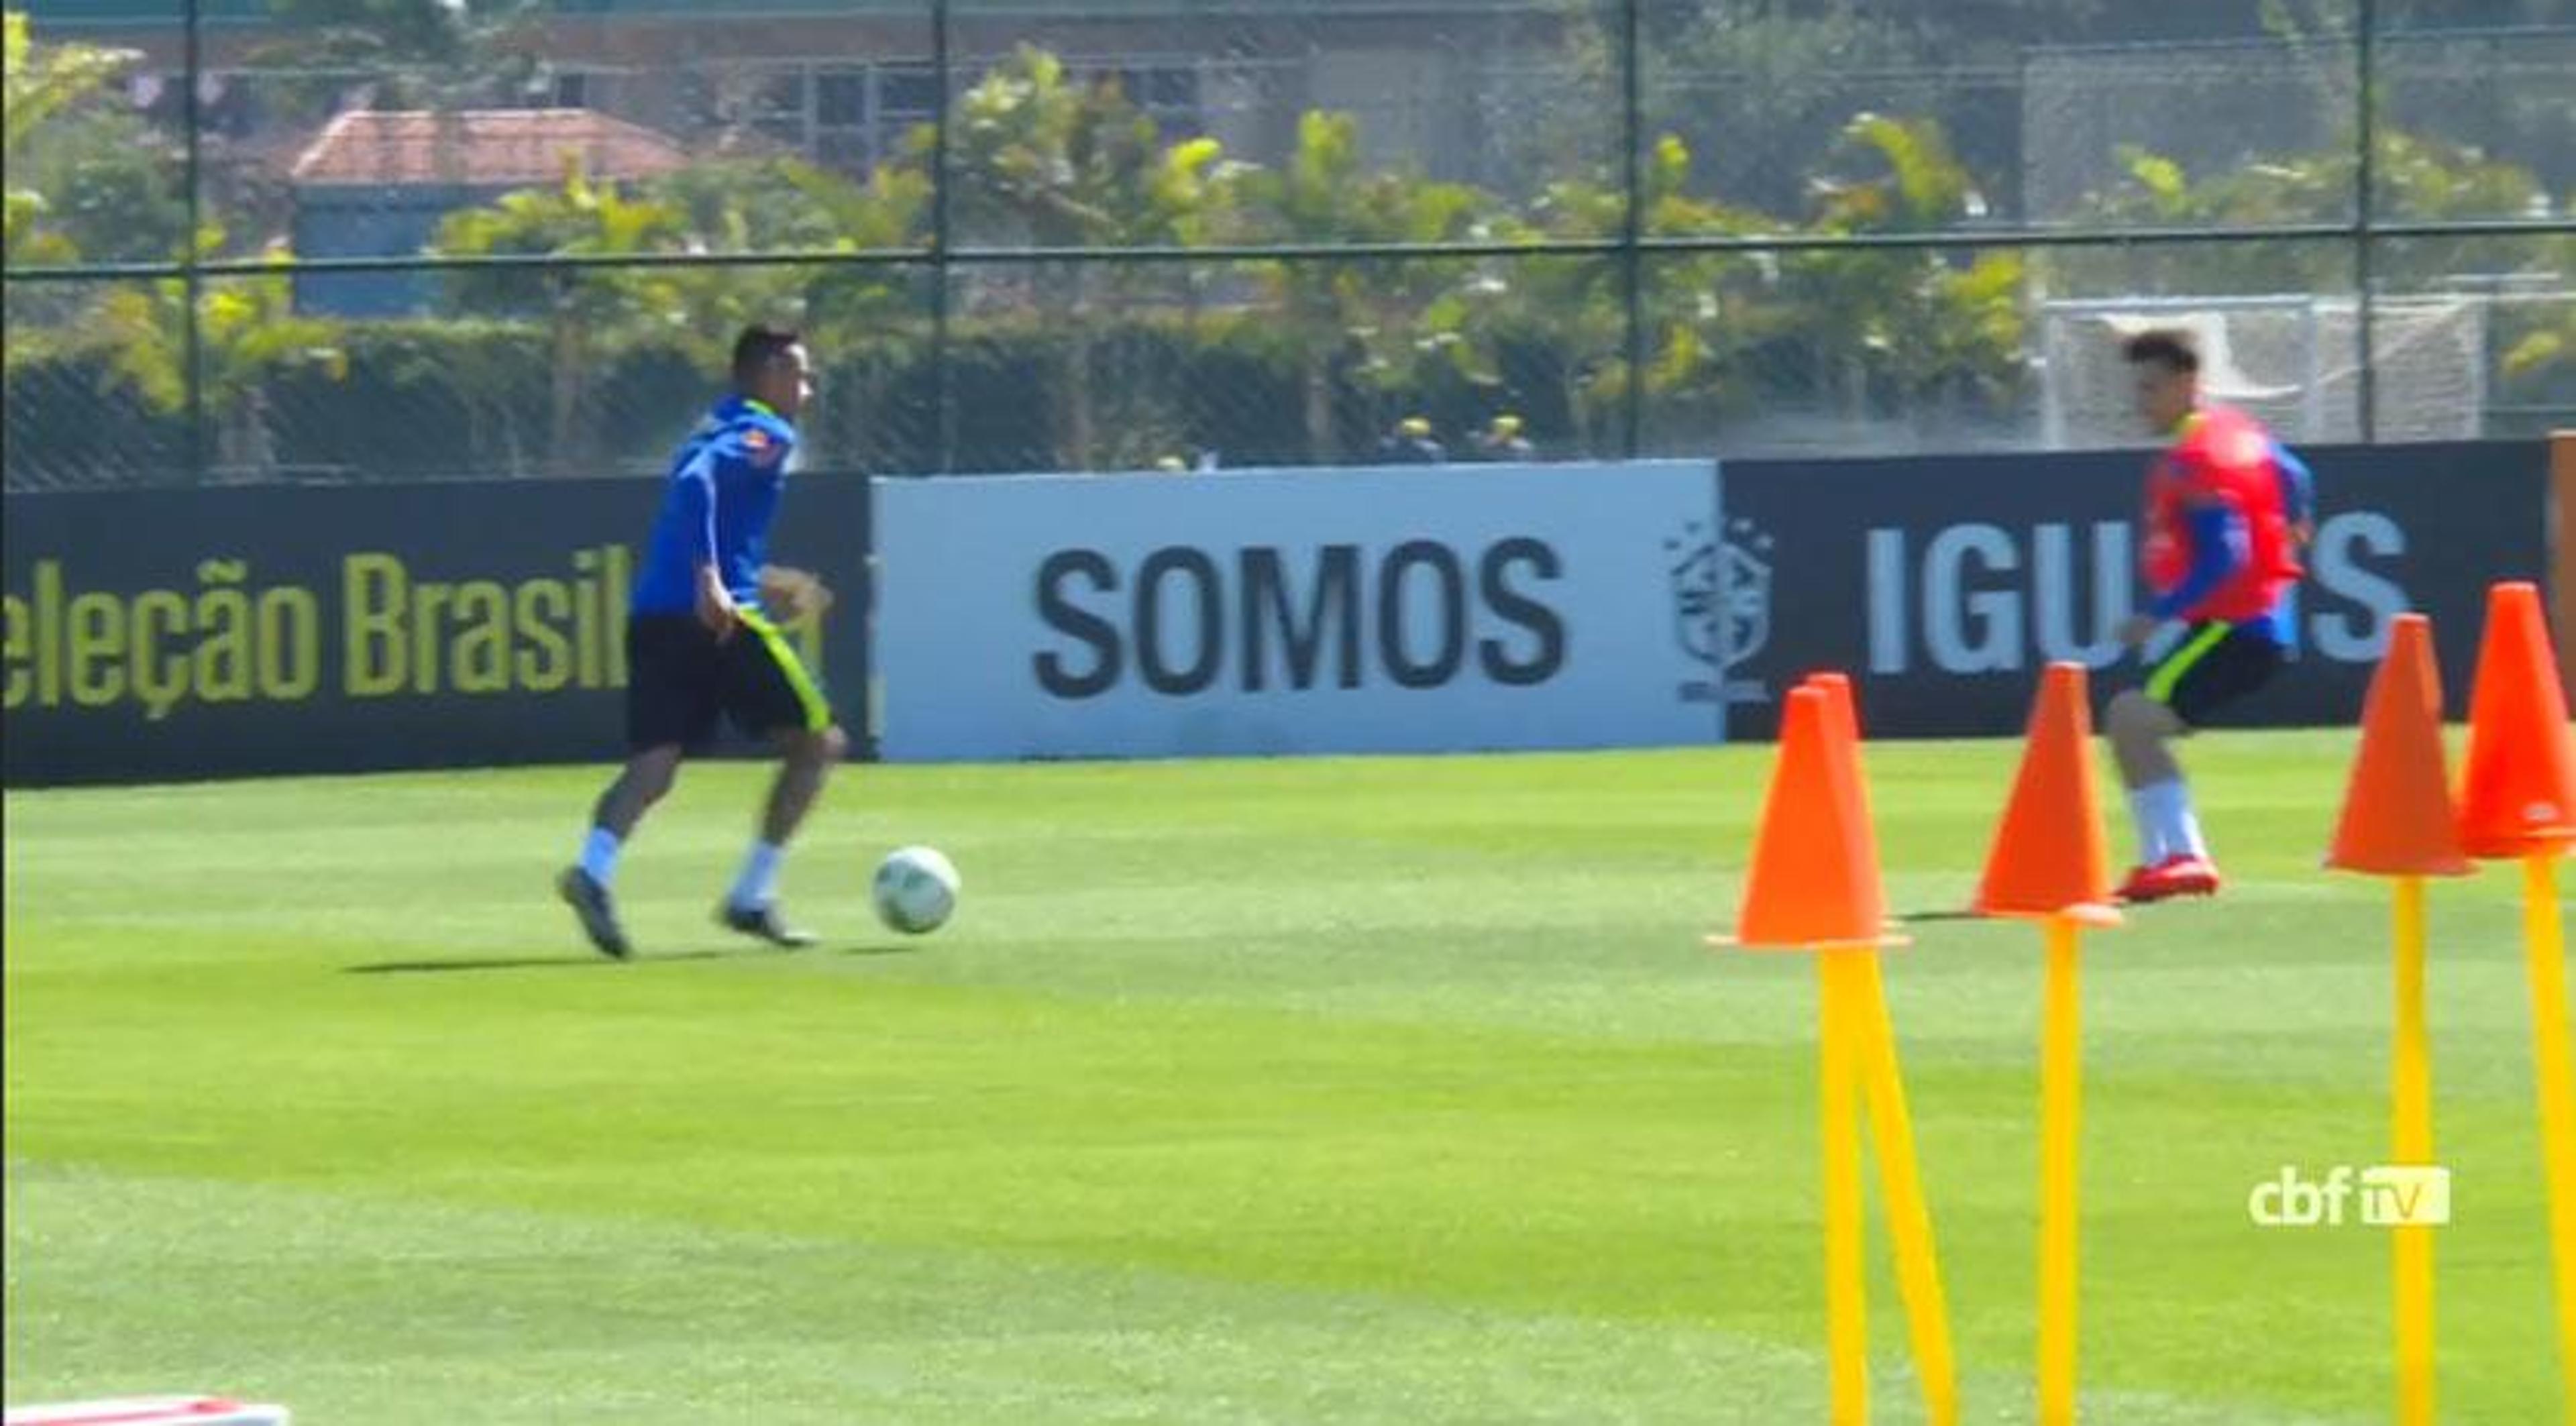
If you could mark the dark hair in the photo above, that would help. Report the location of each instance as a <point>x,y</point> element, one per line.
<point>757,347</point>
<point>2167,347</point>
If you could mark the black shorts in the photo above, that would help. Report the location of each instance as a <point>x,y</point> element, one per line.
<point>2215,664</point>
<point>678,678</point>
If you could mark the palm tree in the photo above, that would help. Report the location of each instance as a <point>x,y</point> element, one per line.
<point>247,329</point>
<point>868,321</point>
<point>1702,312</point>
<point>1040,158</point>
<point>1911,321</point>
<point>587,310</point>
<point>1371,317</point>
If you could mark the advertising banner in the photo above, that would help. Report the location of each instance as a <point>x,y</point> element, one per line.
<point>173,634</point>
<point>1398,609</point>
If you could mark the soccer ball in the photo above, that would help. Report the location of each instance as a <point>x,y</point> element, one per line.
<point>916,889</point>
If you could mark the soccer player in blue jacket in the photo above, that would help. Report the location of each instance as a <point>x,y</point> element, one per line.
<point>699,643</point>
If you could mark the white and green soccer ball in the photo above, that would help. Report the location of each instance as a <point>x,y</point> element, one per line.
<point>916,890</point>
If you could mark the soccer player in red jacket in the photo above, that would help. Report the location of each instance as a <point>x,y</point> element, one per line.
<point>2228,510</point>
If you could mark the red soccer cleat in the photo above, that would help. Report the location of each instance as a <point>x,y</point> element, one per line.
<point>2138,877</point>
<point>2178,875</point>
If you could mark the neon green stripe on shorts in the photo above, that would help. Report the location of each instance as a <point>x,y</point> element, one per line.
<point>818,713</point>
<point>2160,684</point>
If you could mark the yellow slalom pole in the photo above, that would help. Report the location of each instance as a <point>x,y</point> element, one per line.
<point>1846,1287</point>
<point>1909,1218</point>
<point>2411,1112</point>
<point>2060,1106</point>
<point>2545,941</point>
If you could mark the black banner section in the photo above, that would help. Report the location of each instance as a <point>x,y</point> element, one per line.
<point>1943,585</point>
<point>157,635</point>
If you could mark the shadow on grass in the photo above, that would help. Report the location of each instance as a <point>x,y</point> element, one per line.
<point>1957,913</point>
<point>568,961</point>
<point>573,960</point>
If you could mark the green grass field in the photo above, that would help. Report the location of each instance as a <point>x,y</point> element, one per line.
<point>1329,1091</point>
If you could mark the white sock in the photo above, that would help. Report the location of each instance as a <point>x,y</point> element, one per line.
<point>758,884</point>
<point>2151,839</point>
<point>2182,827</point>
<point>2177,828</point>
<point>599,855</point>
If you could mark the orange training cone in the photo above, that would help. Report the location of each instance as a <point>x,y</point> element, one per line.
<point>1843,713</point>
<point>1842,719</point>
<point>2049,856</point>
<point>2398,819</point>
<point>1814,880</point>
<point>2518,796</point>
<point>1839,702</point>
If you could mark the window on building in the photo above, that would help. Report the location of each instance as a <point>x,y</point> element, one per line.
<point>1168,93</point>
<point>841,98</point>
<point>853,117</point>
<point>779,109</point>
<point>907,98</point>
<point>841,138</point>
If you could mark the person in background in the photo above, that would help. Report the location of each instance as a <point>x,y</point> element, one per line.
<point>1501,440</point>
<point>1411,443</point>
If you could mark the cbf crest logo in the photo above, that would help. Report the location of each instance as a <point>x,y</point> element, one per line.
<point>1721,607</point>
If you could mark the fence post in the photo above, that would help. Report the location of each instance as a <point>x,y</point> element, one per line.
<point>1632,139</point>
<point>2365,164</point>
<point>944,384</point>
<point>191,282</point>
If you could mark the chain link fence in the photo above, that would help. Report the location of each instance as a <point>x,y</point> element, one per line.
<point>338,240</point>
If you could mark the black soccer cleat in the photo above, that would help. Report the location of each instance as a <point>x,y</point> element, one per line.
<point>589,901</point>
<point>764,922</point>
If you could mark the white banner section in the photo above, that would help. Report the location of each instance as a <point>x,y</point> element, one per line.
<point>1313,611</point>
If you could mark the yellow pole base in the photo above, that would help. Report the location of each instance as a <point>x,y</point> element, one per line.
<point>2060,1107</point>
<point>1909,1217</point>
<point>2545,944</point>
<point>1846,1285</point>
<point>2411,1142</point>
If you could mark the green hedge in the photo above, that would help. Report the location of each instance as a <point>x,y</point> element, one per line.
<point>428,399</point>
<point>72,424</point>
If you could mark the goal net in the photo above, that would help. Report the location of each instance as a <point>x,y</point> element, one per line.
<point>2292,361</point>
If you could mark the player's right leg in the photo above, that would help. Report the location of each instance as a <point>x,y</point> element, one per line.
<point>2173,860</point>
<point>672,700</point>
<point>2219,663</point>
<point>585,884</point>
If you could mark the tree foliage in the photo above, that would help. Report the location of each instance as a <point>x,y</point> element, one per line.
<point>1113,363</point>
<point>45,86</point>
<point>247,333</point>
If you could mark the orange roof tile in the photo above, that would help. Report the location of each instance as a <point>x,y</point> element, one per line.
<point>481,147</point>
